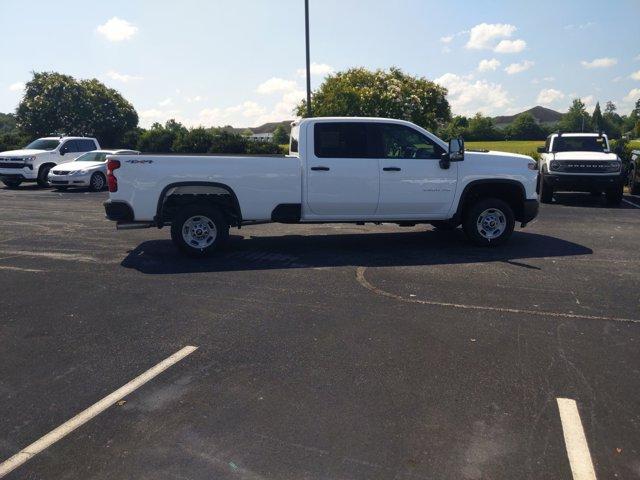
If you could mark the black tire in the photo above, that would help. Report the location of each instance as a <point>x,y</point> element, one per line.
<point>488,208</point>
<point>634,187</point>
<point>614,195</point>
<point>595,193</point>
<point>205,216</point>
<point>43,173</point>
<point>12,183</point>
<point>443,225</point>
<point>546,191</point>
<point>97,182</point>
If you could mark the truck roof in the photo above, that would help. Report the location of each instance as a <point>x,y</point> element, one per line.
<point>578,134</point>
<point>66,138</point>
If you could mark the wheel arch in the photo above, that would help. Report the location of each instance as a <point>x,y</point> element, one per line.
<point>191,192</point>
<point>511,191</point>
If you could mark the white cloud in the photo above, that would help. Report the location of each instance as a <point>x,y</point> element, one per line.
<point>603,62</point>
<point>17,87</point>
<point>635,75</point>
<point>589,102</point>
<point>195,99</point>
<point>468,97</point>
<point>147,117</point>
<point>486,65</point>
<point>275,84</point>
<point>519,67</point>
<point>548,96</point>
<point>166,102</point>
<point>316,69</point>
<point>581,26</point>
<point>117,30</point>
<point>548,79</point>
<point>637,58</point>
<point>483,36</point>
<point>510,46</point>
<point>633,95</point>
<point>446,39</point>
<point>122,77</point>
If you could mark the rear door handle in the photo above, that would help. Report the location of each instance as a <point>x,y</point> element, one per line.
<point>320,169</point>
<point>391,169</point>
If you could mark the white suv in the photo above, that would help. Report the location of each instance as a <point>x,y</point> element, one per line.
<point>32,164</point>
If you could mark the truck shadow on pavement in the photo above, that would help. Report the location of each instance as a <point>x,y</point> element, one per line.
<point>399,248</point>
<point>586,200</point>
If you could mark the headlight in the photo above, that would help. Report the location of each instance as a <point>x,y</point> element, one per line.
<point>532,166</point>
<point>29,159</point>
<point>615,165</point>
<point>555,165</point>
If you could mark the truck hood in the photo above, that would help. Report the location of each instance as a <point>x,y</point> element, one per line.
<point>496,155</point>
<point>21,153</point>
<point>72,166</point>
<point>585,156</point>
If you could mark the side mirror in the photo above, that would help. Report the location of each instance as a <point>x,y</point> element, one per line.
<point>455,153</point>
<point>542,150</point>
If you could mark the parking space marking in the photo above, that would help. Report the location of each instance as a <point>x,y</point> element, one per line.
<point>19,269</point>
<point>97,408</point>
<point>630,203</point>
<point>575,440</point>
<point>369,286</point>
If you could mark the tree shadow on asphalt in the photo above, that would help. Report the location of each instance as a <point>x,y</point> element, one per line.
<point>586,200</point>
<point>399,248</point>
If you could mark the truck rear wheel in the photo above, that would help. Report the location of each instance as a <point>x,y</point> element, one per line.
<point>546,190</point>
<point>614,195</point>
<point>199,230</point>
<point>634,187</point>
<point>12,183</point>
<point>489,222</point>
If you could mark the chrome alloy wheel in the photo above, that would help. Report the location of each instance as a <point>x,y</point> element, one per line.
<point>491,223</point>
<point>97,182</point>
<point>199,232</point>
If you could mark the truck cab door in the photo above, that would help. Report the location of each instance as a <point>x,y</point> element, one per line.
<point>412,181</point>
<point>343,178</point>
<point>68,152</point>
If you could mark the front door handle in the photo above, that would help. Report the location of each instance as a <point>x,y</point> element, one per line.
<point>391,169</point>
<point>320,169</point>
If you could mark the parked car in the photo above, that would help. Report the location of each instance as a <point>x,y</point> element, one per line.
<point>88,170</point>
<point>634,173</point>
<point>580,162</point>
<point>32,164</point>
<point>338,170</point>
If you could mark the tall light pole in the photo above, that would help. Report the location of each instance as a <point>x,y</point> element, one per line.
<point>306,32</point>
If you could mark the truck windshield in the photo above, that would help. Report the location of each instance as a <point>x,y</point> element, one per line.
<point>92,157</point>
<point>43,144</point>
<point>579,144</point>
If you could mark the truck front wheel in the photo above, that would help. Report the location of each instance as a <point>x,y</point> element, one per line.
<point>43,176</point>
<point>198,231</point>
<point>489,222</point>
<point>11,183</point>
<point>546,190</point>
<point>614,195</point>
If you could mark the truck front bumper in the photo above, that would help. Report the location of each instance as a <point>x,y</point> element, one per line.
<point>529,211</point>
<point>583,183</point>
<point>22,174</point>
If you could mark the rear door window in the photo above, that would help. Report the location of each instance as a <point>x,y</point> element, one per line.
<point>341,140</point>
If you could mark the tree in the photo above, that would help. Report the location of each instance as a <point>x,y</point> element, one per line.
<point>383,93</point>
<point>457,127</point>
<point>597,119</point>
<point>280,135</point>
<point>196,140</point>
<point>525,127</point>
<point>56,103</point>
<point>610,108</point>
<point>576,119</point>
<point>158,139</point>
<point>482,128</point>
<point>8,123</point>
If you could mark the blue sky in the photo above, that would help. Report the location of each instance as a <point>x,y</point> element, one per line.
<point>216,62</point>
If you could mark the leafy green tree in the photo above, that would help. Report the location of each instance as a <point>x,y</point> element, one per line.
<point>59,103</point>
<point>525,127</point>
<point>280,135</point>
<point>457,127</point>
<point>158,139</point>
<point>381,93</point>
<point>597,120</point>
<point>14,140</point>
<point>482,128</point>
<point>196,140</point>
<point>576,119</point>
<point>8,123</point>
<point>225,141</point>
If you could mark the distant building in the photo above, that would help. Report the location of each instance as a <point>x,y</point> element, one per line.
<point>261,137</point>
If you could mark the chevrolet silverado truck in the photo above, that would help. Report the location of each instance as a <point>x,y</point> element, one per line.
<point>351,170</point>
<point>580,162</point>
<point>32,164</point>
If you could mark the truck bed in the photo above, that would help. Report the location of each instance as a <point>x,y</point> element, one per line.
<point>261,182</point>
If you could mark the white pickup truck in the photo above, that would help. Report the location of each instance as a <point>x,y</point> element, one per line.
<point>32,164</point>
<point>580,162</point>
<point>338,170</point>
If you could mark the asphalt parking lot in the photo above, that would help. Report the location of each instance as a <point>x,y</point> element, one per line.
<point>323,351</point>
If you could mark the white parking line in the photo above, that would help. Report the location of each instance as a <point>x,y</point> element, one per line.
<point>630,203</point>
<point>83,417</point>
<point>575,440</point>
